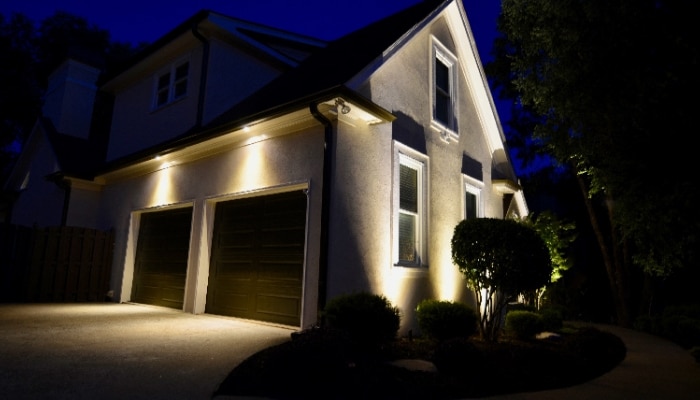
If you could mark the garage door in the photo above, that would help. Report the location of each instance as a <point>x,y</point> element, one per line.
<point>161,258</point>
<point>257,258</point>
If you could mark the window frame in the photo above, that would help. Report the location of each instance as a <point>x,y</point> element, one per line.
<point>173,83</point>
<point>419,162</point>
<point>474,187</point>
<point>439,53</point>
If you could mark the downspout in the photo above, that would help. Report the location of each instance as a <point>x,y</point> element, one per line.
<point>64,184</point>
<point>325,206</point>
<point>204,74</point>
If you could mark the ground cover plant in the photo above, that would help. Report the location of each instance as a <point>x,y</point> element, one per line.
<point>345,361</point>
<point>323,363</point>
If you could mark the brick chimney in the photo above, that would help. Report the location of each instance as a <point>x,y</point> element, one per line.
<point>70,98</point>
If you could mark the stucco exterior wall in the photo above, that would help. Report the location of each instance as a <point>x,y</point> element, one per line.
<point>40,203</point>
<point>224,89</point>
<point>136,125</point>
<point>278,164</point>
<point>365,201</point>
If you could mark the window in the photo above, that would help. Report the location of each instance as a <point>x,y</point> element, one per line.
<point>172,84</point>
<point>444,78</point>
<point>472,198</point>
<point>410,213</point>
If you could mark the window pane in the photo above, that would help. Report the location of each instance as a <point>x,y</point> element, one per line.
<point>164,81</point>
<point>163,96</point>
<point>408,189</point>
<point>407,237</point>
<point>442,108</point>
<point>442,76</point>
<point>470,211</point>
<point>180,89</point>
<point>181,71</point>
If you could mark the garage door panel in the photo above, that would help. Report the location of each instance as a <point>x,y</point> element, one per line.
<point>257,258</point>
<point>279,271</point>
<point>277,306</point>
<point>235,270</point>
<point>162,252</point>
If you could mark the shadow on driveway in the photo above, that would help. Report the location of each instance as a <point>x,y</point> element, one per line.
<point>121,351</point>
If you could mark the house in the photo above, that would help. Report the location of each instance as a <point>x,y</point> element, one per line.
<point>256,173</point>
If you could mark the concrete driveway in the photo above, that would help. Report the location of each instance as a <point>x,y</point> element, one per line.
<point>121,351</point>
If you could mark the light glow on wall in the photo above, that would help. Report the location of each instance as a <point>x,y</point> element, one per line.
<point>163,192</point>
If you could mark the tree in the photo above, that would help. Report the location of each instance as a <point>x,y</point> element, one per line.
<point>603,91</point>
<point>557,236</point>
<point>499,259</point>
<point>29,54</point>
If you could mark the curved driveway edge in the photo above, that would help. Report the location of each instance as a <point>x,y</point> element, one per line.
<point>121,351</point>
<point>653,369</point>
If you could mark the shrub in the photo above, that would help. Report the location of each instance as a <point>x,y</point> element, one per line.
<point>442,320</point>
<point>552,319</point>
<point>523,324</point>
<point>683,330</point>
<point>596,349</point>
<point>369,319</point>
<point>458,355</point>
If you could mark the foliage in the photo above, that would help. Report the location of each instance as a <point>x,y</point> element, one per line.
<point>370,319</point>
<point>599,91</point>
<point>458,355</point>
<point>594,347</point>
<point>523,324</point>
<point>552,318</point>
<point>499,259</point>
<point>466,368</point>
<point>558,235</point>
<point>442,320</point>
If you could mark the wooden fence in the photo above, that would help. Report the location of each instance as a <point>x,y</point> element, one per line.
<point>60,264</point>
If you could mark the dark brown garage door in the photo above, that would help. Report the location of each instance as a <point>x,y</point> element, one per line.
<point>257,258</point>
<point>161,258</point>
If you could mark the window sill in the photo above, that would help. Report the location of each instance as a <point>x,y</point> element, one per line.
<point>446,134</point>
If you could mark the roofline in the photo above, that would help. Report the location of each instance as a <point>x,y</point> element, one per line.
<point>205,134</point>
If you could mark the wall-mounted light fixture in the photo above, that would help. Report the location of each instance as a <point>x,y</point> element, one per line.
<point>344,108</point>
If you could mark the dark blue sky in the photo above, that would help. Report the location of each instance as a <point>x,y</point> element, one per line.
<point>147,20</point>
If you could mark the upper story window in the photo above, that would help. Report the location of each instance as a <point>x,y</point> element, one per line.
<point>171,84</point>
<point>443,90</point>
<point>472,198</point>
<point>410,210</point>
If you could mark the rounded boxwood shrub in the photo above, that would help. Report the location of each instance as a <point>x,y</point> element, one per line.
<point>552,319</point>
<point>523,324</point>
<point>459,356</point>
<point>596,349</point>
<point>442,320</point>
<point>370,319</point>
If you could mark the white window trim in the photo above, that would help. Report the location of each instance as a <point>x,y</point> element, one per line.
<point>172,68</point>
<point>474,187</point>
<point>407,156</point>
<point>439,52</point>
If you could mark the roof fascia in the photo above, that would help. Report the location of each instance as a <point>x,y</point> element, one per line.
<point>377,63</point>
<point>350,97</point>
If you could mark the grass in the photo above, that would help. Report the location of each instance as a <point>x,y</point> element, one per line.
<point>325,364</point>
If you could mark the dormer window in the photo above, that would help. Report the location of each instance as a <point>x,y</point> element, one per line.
<point>444,93</point>
<point>171,85</point>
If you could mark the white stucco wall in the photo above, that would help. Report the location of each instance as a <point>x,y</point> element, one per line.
<point>136,125</point>
<point>224,88</point>
<point>364,195</point>
<point>41,202</point>
<point>278,164</point>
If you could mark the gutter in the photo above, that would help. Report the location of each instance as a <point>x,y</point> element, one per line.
<point>204,74</point>
<point>325,207</point>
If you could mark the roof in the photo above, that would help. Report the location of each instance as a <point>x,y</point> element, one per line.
<point>320,76</point>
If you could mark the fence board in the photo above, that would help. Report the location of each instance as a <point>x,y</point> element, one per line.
<point>56,264</point>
